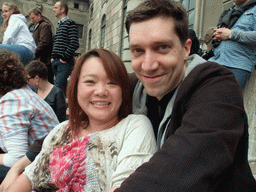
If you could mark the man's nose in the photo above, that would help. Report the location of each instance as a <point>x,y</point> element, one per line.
<point>150,62</point>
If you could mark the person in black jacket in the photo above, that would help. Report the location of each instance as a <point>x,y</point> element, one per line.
<point>54,96</point>
<point>195,106</point>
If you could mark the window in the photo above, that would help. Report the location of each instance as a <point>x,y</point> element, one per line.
<point>76,5</point>
<point>80,30</point>
<point>123,27</point>
<point>190,7</point>
<point>90,39</point>
<point>91,14</point>
<point>103,28</point>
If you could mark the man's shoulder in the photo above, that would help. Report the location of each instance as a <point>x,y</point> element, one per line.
<point>251,9</point>
<point>43,22</point>
<point>206,72</point>
<point>207,68</point>
<point>69,22</point>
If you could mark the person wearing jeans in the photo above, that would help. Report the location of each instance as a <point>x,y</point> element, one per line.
<point>25,55</point>
<point>17,37</point>
<point>61,72</point>
<point>64,46</point>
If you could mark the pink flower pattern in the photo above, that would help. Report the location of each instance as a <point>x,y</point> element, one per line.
<point>68,166</point>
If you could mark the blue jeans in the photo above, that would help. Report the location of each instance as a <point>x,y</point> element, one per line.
<point>61,72</point>
<point>241,75</point>
<point>23,52</point>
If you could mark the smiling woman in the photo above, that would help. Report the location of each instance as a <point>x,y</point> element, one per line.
<point>101,144</point>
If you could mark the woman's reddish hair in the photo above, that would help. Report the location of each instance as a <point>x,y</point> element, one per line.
<point>116,72</point>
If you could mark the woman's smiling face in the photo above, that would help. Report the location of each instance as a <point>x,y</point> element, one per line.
<point>98,96</point>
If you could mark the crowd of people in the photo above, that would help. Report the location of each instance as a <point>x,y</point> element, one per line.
<point>176,124</point>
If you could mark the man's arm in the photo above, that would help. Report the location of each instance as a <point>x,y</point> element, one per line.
<point>14,173</point>
<point>72,31</point>
<point>246,37</point>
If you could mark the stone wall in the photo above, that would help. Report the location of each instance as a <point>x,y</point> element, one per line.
<point>113,10</point>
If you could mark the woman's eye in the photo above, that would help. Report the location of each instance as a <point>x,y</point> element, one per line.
<point>89,82</point>
<point>112,83</point>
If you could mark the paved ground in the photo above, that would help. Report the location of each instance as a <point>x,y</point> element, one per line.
<point>253,168</point>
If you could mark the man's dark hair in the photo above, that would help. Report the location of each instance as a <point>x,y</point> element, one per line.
<point>64,5</point>
<point>12,72</point>
<point>161,8</point>
<point>35,11</point>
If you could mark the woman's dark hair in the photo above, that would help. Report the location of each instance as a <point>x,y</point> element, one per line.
<point>37,68</point>
<point>160,8</point>
<point>12,72</point>
<point>116,72</point>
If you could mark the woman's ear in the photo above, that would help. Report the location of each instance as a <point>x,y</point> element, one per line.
<point>37,77</point>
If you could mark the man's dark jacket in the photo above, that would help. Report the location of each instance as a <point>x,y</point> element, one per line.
<point>206,142</point>
<point>44,42</point>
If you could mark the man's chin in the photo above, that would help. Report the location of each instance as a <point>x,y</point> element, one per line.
<point>153,92</point>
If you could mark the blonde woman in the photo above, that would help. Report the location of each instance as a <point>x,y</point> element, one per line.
<point>17,37</point>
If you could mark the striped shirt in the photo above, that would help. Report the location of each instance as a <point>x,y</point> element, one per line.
<point>23,112</point>
<point>66,40</point>
<point>239,51</point>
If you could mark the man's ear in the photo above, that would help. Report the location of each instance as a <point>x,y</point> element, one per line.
<point>187,47</point>
<point>62,10</point>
